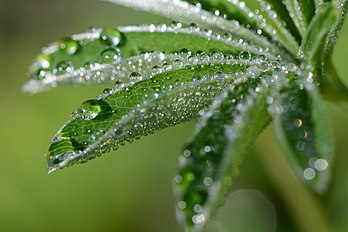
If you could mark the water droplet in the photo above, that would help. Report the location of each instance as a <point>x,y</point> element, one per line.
<point>269,100</point>
<point>207,149</point>
<point>156,70</point>
<point>298,122</point>
<point>253,71</point>
<point>60,158</point>
<point>193,27</point>
<point>197,208</point>
<point>185,52</point>
<point>208,181</point>
<point>110,55</point>
<point>182,204</point>
<point>150,94</point>
<point>217,56</point>
<point>301,146</point>
<point>63,67</point>
<point>43,61</point>
<point>40,74</point>
<point>95,136</point>
<point>135,76</point>
<point>69,46</point>
<point>178,63</point>
<point>245,55</point>
<point>91,109</point>
<point>192,60</point>
<point>310,77</point>
<point>321,164</point>
<point>187,153</point>
<point>176,25</point>
<point>219,75</point>
<point>178,179</point>
<point>166,66</point>
<point>110,37</point>
<point>309,173</point>
<point>198,218</point>
<point>107,91</point>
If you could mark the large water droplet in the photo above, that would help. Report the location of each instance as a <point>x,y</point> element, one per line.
<point>110,55</point>
<point>69,46</point>
<point>91,109</point>
<point>110,37</point>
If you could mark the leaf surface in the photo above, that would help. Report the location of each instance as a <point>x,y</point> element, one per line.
<point>213,154</point>
<point>301,127</point>
<point>188,13</point>
<point>162,100</point>
<point>111,55</point>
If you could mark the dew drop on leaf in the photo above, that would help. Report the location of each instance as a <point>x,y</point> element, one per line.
<point>95,136</point>
<point>107,91</point>
<point>110,37</point>
<point>166,66</point>
<point>69,46</point>
<point>135,76</point>
<point>40,74</point>
<point>185,52</point>
<point>150,94</point>
<point>217,56</point>
<point>110,55</point>
<point>245,55</point>
<point>156,70</point>
<point>91,109</point>
<point>63,67</point>
<point>43,61</point>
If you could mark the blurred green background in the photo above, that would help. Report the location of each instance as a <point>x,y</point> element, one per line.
<point>131,189</point>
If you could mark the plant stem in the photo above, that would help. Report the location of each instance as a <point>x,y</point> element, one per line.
<point>304,205</point>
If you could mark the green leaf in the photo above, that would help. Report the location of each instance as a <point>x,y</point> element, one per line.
<point>236,10</point>
<point>317,49</point>
<point>281,33</point>
<point>281,9</point>
<point>314,42</point>
<point>164,99</point>
<point>110,55</point>
<point>301,127</point>
<point>184,12</point>
<point>212,155</point>
<point>301,12</point>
